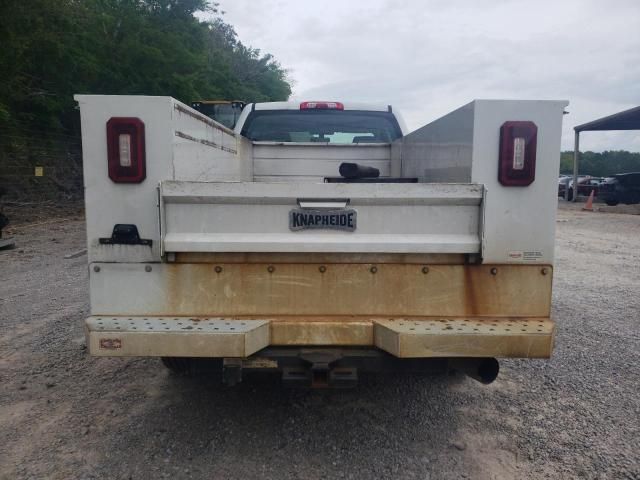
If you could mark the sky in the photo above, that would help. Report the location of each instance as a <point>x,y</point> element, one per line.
<point>427,58</point>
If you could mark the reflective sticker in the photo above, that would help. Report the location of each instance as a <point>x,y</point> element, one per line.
<point>110,343</point>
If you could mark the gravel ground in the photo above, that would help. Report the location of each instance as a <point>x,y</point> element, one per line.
<point>65,415</point>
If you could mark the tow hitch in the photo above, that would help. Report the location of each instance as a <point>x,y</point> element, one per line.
<point>306,369</point>
<point>319,369</point>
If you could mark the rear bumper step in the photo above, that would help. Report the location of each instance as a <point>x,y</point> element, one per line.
<point>175,337</point>
<point>401,337</point>
<point>466,337</point>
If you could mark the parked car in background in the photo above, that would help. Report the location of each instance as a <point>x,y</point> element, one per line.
<point>621,188</point>
<point>563,182</point>
<point>586,185</point>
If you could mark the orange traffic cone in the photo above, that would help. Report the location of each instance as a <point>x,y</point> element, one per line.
<point>589,205</point>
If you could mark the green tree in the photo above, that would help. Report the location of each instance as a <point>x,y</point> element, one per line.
<point>53,49</point>
<point>601,164</point>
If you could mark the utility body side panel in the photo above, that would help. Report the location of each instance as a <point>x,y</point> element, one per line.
<point>519,222</point>
<point>518,225</point>
<point>108,203</point>
<point>180,143</point>
<point>441,151</point>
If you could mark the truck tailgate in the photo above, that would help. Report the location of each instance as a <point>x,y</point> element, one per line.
<point>255,217</point>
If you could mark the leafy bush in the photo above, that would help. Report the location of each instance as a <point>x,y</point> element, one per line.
<point>601,164</point>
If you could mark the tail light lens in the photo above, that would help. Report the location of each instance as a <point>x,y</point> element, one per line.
<point>125,150</point>
<point>321,106</point>
<point>517,163</point>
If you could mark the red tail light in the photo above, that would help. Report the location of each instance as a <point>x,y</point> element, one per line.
<point>517,166</point>
<point>321,106</point>
<point>125,150</point>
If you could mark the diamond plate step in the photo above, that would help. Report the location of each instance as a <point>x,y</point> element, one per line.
<point>175,336</point>
<point>466,337</point>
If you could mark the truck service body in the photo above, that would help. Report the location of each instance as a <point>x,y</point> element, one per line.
<point>246,246</point>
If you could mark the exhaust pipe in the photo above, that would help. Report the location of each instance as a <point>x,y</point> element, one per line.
<point>484,370</point>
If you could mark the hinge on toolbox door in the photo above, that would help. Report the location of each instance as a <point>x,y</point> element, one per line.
<point>161,219</point>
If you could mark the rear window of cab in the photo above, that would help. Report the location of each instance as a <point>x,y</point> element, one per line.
<point>322,126</point>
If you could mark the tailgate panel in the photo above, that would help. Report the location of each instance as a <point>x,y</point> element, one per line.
<point>254,217</point>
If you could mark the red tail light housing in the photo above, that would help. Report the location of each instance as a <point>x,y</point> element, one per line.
<point>517,163</point>
<point>125,150</point>
<point>321,106</point>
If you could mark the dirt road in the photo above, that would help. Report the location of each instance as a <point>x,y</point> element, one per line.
<point>65,415</point>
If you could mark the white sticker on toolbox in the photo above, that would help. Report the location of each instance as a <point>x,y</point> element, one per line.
<point>524,256</point>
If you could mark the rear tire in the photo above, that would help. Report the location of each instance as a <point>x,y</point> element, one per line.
<point>178,365</point>
<point>570,197</point>
<point>195,367</point>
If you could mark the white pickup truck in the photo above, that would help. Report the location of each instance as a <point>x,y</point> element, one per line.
<point>249,249</point>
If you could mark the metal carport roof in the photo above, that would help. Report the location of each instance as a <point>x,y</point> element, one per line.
<point>626,120</point>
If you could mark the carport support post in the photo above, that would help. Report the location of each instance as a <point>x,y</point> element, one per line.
<point>576,154</point>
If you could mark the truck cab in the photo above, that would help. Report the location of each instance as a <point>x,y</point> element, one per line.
<point>248,249</point>
<point>333,122</point>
